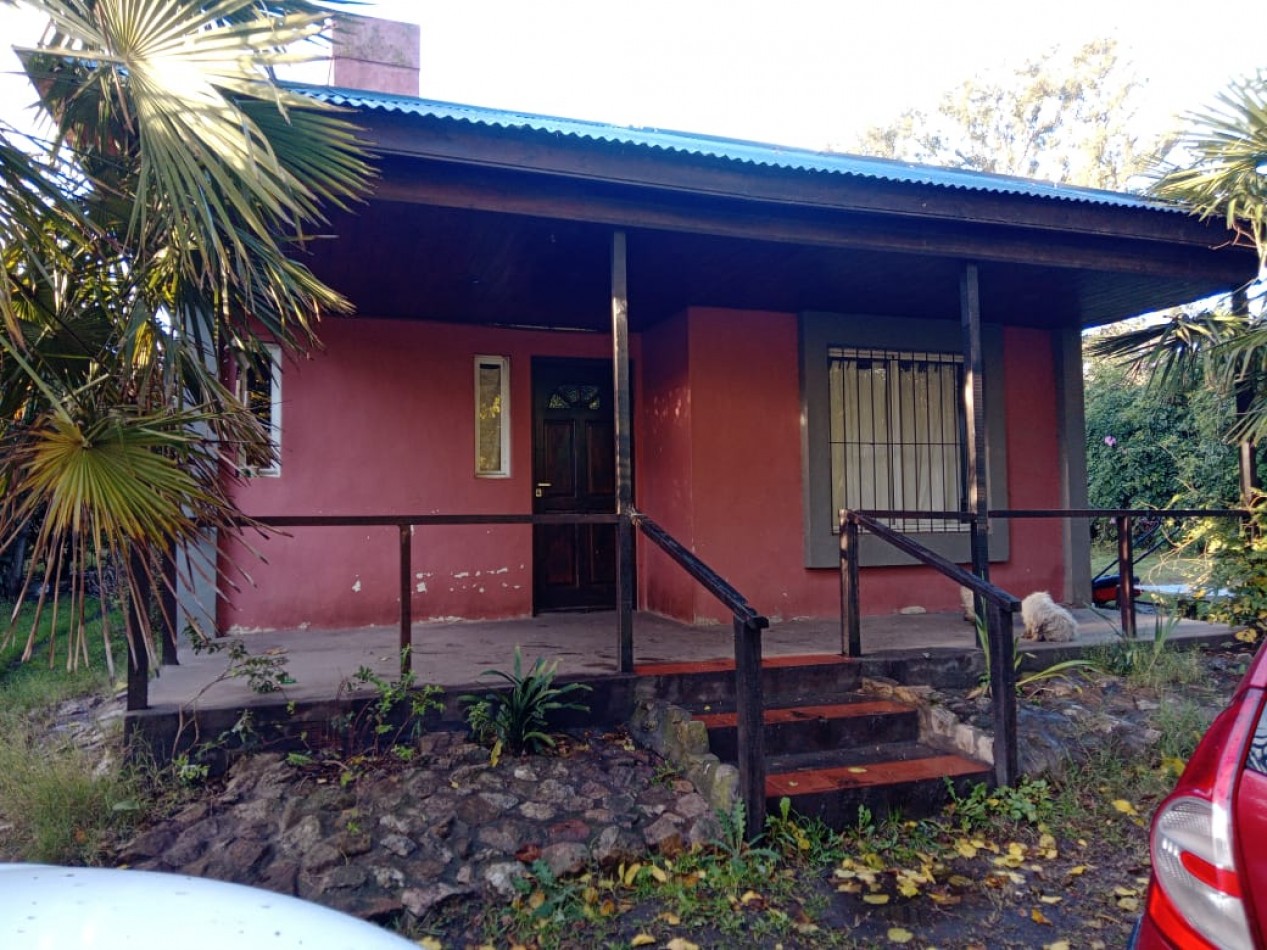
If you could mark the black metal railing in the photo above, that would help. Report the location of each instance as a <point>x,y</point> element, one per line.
<point>749,705</point>
<point>1000,609</point>
<point>138,668</point>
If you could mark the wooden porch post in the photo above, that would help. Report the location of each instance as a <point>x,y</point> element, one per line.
<point>624,462</point>
<point>978,487</point>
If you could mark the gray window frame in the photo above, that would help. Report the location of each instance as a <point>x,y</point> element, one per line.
<point>818,332</point>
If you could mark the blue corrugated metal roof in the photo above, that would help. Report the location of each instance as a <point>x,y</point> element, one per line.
<point>736,150</point>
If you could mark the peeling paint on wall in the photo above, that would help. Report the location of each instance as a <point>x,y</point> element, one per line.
<point>421,587</point>
<point>356,588</point>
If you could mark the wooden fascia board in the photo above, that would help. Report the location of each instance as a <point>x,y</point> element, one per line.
<point>538,152</point>
<point>501,190</point>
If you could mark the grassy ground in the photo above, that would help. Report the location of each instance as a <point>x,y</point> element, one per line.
<point>1166,566</point>
<point>60,802</point>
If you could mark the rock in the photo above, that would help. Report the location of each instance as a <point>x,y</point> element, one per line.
<point>501,837</point>
<point>345,876</point>
<point>537,811</point>
<point>565,858</point>
<point>691,805</point>
<point>665,835</point>
<point>554,792</point>
<point>571,829</point>
<point>398,845</point>
<point>704,830</point>
<point>614,847</point>
<point>500,878</point>
<point>420,901</point>
<point>302,836</point>
<point>320,857</point>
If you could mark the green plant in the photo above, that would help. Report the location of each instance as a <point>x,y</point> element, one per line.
<point>61,807</point>
<point>397,714</point>
<point>517,720</point>
<point>1137,659</point>
<point>1018,659</point>
<point>802,840</point>
<point>1028,802</point>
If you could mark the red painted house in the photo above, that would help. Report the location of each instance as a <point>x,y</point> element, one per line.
<point>796,330</point>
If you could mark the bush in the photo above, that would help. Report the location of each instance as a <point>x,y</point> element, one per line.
<point>517,720</point>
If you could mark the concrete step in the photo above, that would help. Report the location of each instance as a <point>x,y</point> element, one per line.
<point>906,778</point>
<point>785,680</point>
<point>858,721</point>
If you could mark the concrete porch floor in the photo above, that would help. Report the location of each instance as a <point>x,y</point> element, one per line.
<point>456,653</point>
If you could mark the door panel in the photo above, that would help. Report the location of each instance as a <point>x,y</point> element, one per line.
<point>573,471</point>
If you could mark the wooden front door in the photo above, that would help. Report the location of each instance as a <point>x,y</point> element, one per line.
<point>574,470</point>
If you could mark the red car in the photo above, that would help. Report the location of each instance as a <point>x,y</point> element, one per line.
<point>1209,836</point>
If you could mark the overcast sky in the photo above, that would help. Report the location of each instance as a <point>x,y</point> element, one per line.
<point>797,72</point>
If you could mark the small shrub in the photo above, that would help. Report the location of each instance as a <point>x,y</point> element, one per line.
<point>517,720</point>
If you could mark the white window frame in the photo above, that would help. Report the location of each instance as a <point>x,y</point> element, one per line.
<point>274,468</point>
<point>502,363</point>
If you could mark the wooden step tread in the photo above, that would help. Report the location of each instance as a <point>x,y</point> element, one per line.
<point>722,665</point>
<point>876,707</point>
<point>892,772</point>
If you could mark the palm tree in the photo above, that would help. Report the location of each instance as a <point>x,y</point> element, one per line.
<point>1219,170</point>
<point>147,247</point>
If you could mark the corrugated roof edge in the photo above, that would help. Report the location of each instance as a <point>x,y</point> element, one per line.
<point>736,150</point>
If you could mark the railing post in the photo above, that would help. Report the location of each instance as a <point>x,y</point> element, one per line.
<point>139,593</point>
<point>1002,693</point>
<point>406,600</point>
<point>850,619</point>
<point>1125,575</point>
<point>750,720</point>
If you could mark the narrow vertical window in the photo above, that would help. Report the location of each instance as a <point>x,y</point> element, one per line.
<point>492,416</point>
<point>260,387</point>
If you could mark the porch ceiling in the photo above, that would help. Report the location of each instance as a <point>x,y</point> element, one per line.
<point>406,260</point>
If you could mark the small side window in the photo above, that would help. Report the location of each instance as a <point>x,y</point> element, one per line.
<point>492,416</point>
<point>261,389</point>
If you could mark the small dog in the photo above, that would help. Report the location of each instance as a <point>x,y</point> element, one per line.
<point>1045,619</point>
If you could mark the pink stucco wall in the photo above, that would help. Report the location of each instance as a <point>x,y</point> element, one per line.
<point>381,422</point>
<point>735,467</point>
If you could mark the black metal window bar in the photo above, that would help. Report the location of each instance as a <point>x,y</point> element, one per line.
<point>896,434</point>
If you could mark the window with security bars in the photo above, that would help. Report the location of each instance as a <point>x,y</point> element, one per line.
<point>896,434</point>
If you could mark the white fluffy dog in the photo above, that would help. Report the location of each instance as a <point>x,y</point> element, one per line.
<point>1045,619</point>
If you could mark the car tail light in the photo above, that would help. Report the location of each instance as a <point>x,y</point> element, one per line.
<point>1197,900</point>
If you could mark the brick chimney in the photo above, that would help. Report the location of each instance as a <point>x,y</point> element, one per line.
<point>375,55</point>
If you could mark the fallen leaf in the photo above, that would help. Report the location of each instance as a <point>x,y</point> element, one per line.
<point>631,874</point>
<point>537,899</point>
<point>528,853</point>
<point>430,943</point>
<point>1038,917</point>
<point>681,943</point>
<point>1128,903</point>
<point>1050,899</point>
<point>1125,807</point>
<point>966,849</point>
<point>658,873</point>
<point>958,880</point>
<point>1058,945</point>
<point>1077,870</point>
<point>750,896</point>
<point>1121,891</point>
<point>876,898</point>
<point>642,940</point>
<point>669,918</point>
<point>856,770</point>
<point>900,935</point>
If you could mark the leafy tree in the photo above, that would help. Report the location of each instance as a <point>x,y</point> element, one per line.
<point>1149,447</point>
<point>1064,117</point>
<point>148,246</point>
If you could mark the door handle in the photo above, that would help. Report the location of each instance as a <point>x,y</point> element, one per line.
<point>544,484</point>
<point>540,485</point>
